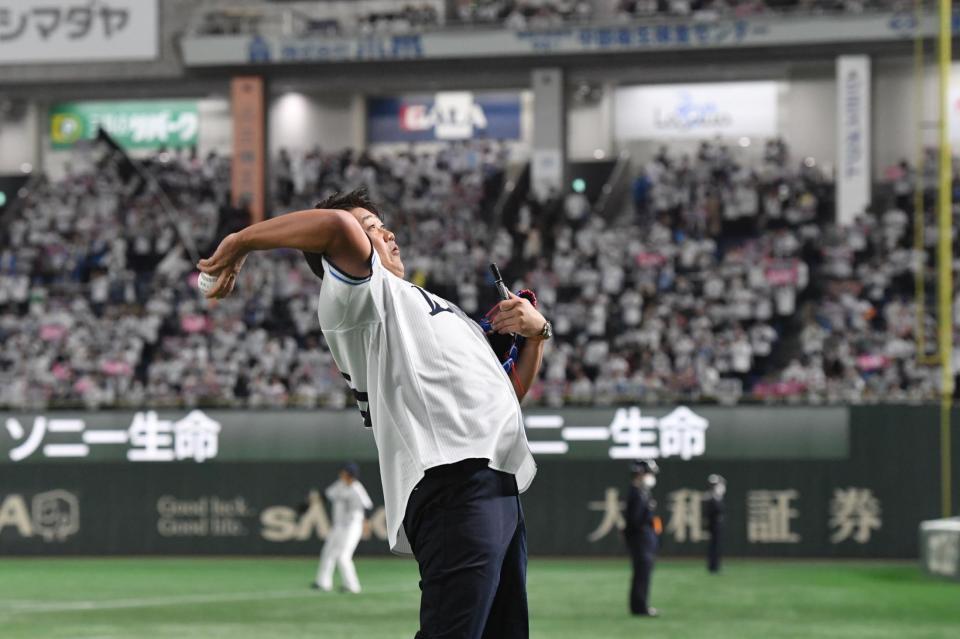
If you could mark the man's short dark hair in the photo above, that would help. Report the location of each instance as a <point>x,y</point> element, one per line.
<point>355,199</point>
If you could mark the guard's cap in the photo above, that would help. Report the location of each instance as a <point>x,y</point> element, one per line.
<point>642,466</point>
<point>715,479</point>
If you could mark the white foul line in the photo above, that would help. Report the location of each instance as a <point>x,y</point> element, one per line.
<point>146,602</point>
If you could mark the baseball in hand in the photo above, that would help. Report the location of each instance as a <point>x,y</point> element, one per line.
<point>205,282</point>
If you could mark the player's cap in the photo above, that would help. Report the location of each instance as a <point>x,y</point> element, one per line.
<point>715,479</point>
<point>643,466</point>
<point>352,469</point>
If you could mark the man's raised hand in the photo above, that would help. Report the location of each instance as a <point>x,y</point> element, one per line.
<point>517,315</point>
<point>225,265</point>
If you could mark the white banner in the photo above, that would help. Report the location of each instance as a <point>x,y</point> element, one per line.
<point>696,111</point>
<point>77,30</point>
<point>954,103</point>
<point>853,124</point>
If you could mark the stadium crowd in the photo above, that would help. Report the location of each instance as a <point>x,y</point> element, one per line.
<point>688,297</point>
<point>724,281</point>
<point>859,340</point>
<point>98,304</point>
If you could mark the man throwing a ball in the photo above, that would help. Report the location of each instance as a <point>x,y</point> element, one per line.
<point>445,416</point>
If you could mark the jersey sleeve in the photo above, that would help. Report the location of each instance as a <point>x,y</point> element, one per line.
<point>331,491</point>
<point>348,317</point>
<point>362,495</point>
<point>346,300</point>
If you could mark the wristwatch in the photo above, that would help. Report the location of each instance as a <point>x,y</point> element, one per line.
<point>547,331</point>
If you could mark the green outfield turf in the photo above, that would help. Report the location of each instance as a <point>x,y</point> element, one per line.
<point>268,598</point>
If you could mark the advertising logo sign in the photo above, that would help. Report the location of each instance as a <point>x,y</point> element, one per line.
<point>284,524</point>
<point>74,31</point>
<point>451,115</point>
<point>853,117</point>
<point>696,111</point>
<point>147,124</point>
<point>52,516</point>
<point>148,438</point>
<point>681,433</point>
<point>205,516</point>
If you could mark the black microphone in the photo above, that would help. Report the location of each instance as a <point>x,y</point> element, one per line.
<point>501,287</point>
<point>498,282</point>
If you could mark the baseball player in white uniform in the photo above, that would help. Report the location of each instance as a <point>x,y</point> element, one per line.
<point>444,412</point>
<point>349,501</point>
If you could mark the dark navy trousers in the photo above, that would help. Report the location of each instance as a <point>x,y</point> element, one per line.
<point>643,552</point>
<point>465,525</point>
<point>713,550</point>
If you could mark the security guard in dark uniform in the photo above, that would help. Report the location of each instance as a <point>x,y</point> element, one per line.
<point>713,509</point>
<point>641,534</point>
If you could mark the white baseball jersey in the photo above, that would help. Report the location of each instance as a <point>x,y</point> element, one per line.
<point>426,381</point>
<point>349,501</point>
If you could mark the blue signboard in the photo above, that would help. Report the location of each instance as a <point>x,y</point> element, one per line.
<point>451,115</point>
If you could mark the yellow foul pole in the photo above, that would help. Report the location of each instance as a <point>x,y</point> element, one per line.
<point>945,258</point>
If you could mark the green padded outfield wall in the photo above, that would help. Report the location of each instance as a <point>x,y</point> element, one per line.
<point>802,482</point>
